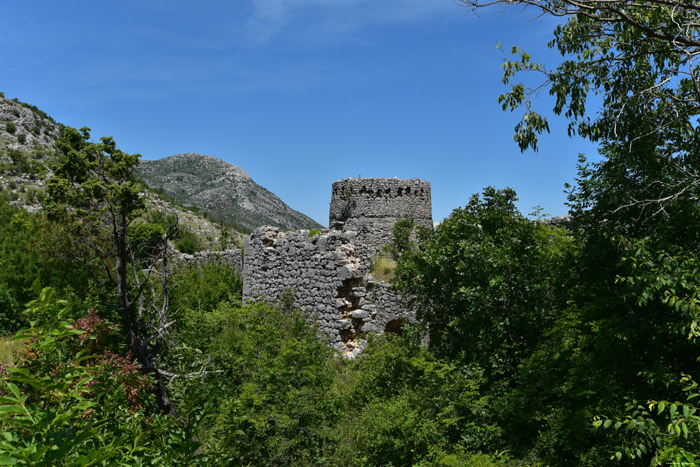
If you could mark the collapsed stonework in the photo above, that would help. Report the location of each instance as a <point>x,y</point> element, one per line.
<point>328,272</point>
<point>327,276</point>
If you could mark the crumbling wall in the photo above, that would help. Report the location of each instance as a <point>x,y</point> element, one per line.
<point>328,275</point>
<point>232,257</point>
<point>371,206</point>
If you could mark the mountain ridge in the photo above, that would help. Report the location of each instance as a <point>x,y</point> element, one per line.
<point>223,189</point>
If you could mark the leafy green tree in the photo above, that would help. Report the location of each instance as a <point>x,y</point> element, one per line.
<point>404,406</point>
<point>640,59</point>
<point>486,282</point>
<point>274,407</point>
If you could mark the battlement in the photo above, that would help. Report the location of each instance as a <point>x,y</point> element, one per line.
<point>371,206</point>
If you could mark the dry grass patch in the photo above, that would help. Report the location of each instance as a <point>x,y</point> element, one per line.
<point>9,348</point>
<point>383,268</point>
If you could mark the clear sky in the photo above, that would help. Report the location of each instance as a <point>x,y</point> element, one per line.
<point>298,93</point>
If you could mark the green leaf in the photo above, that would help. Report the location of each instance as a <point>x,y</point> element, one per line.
<point>6,460</point>
<point>12,409</point>
<point>14,390</point>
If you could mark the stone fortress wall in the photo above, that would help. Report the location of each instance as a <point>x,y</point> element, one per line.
<point>371,206</point>
<point>231,257</point>
<point>328,272</point>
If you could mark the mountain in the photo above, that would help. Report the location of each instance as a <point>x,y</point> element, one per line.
<point>224,190</point>
<point>27,139</point>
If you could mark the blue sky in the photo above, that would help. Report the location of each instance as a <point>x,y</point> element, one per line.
<point>298,93</point>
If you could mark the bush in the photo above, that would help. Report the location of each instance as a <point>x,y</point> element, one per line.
<point>11,128</point>
<point>275,409</point>
<point>71,400</point>
<point>187,243</point>
<point>22,138</point>
<point>410,408</point>
<point>10,317</point>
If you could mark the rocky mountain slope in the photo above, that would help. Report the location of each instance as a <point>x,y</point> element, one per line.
<point>27,139</point>
<point>224,190</point>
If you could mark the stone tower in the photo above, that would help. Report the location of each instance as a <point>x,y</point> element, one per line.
<point>371,206</point>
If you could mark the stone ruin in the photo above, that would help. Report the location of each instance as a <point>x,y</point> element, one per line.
<point>328,273</point>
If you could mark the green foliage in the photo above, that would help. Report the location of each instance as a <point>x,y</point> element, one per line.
<point>401,239</point>
<point>10,318</point>
<point>21,139</point>
<point>70,400</point>
<point>313,232</point>
<point>146,238</point>
<point>673,435</point>
<point>11,128</point>
<point>487,277</point>
<point>410,408</point>
<point>198,291</point>
<point>186,241</point>
<point>272,410</point>
<point>31,248</point>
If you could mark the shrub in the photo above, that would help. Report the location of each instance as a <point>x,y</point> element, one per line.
<point>71,400</point>
<point>15,112</point>
<point>22,138</point>
<point>10,317</point>
<point>276,411</point>
<point>187,243</point>
<point>11,128</point>
<point>410,408</point>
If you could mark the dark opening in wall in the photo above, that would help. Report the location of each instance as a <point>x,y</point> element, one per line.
<point>395,326</point>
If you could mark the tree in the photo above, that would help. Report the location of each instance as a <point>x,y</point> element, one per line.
<point>96,191</point>
<point>623,335</point>
<point>485,282</point>
<point>640,57</point>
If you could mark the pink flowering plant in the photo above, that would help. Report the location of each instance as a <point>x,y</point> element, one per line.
<point>71,399</point>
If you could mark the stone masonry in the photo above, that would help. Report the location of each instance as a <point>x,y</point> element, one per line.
<point>371,206</point>
<point>328,273</point>
<point>232,257</point>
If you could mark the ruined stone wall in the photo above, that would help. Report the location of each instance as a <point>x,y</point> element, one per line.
<point>371,206</point>
<point>232,257</point>
<point>328,274</point>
